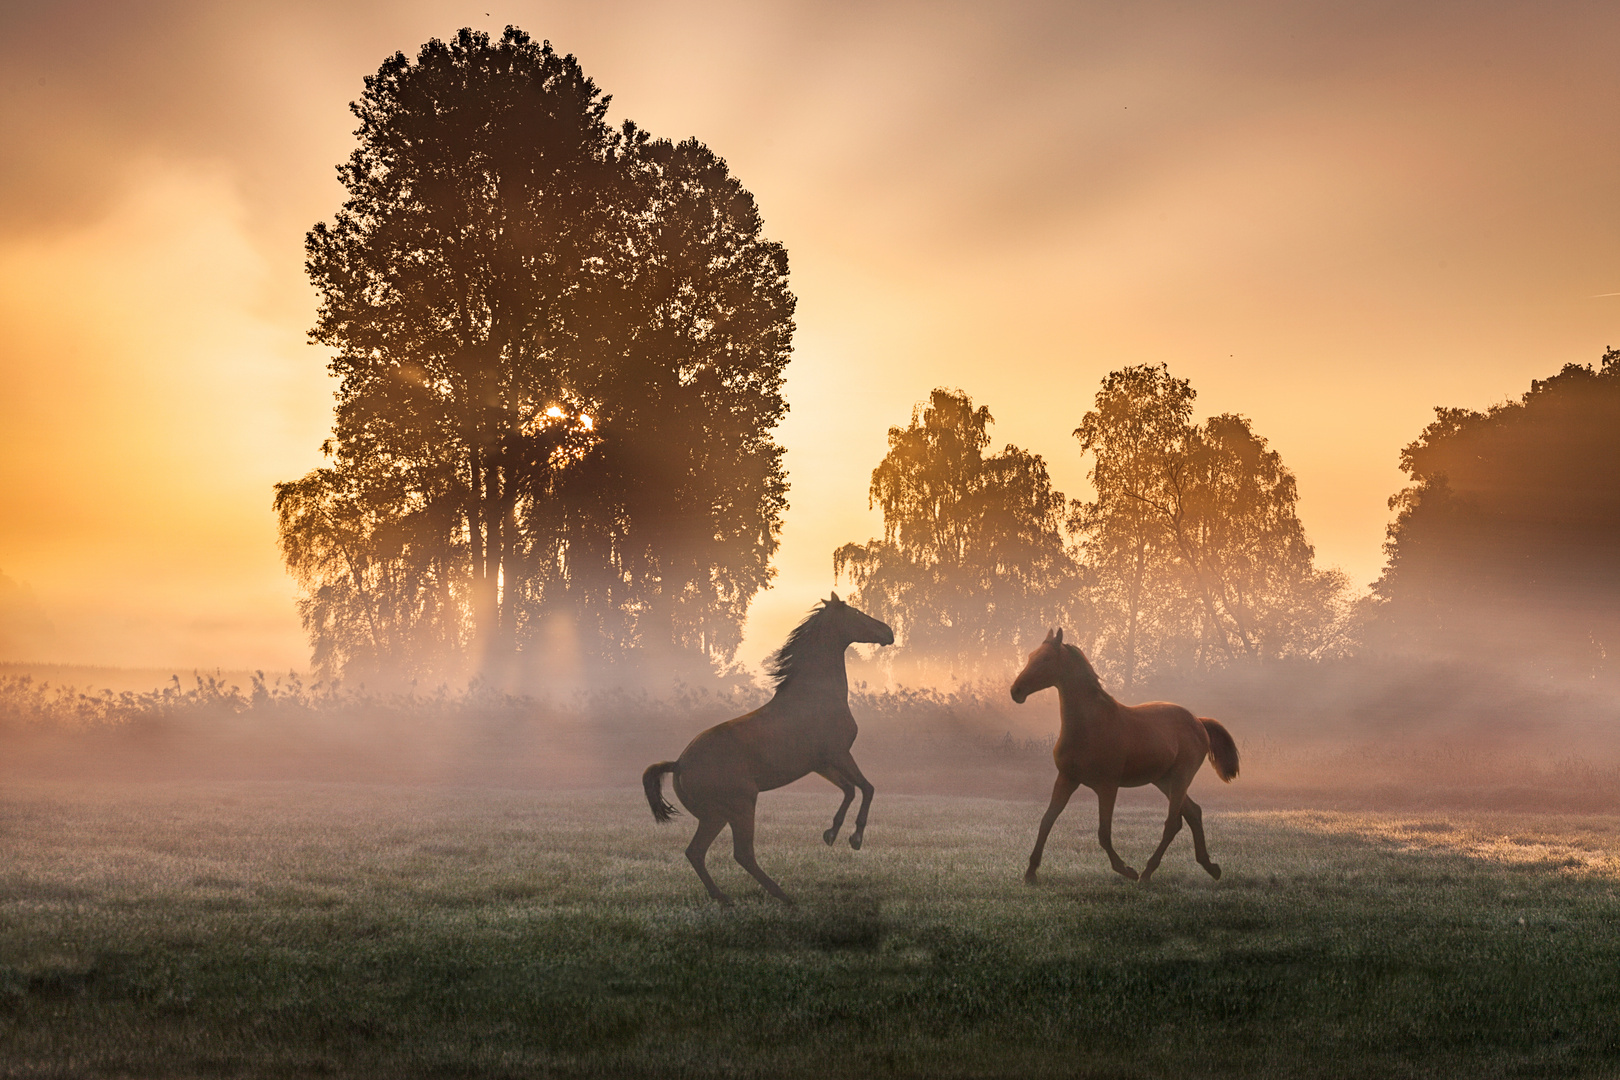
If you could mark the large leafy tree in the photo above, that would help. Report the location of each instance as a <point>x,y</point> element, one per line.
<point>1195,551</point>
<point>972,560</point>
<point>1507,541</point>
<point>560,348</point>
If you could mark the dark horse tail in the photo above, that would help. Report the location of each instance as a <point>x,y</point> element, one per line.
<point>653,781</point>
<point>1222,750</point>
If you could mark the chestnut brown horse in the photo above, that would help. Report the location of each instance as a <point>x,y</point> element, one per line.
<point>1106,746</point>
<point>806,727</point>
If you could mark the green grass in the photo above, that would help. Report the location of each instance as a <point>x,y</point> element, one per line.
<point>295,930</point>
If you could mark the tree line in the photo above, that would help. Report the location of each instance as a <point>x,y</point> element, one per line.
<point>560,347</point>
<point>1505,547</point>
<point>1190,555</point>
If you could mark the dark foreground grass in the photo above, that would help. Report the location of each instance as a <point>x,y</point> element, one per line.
<point>294,930</point>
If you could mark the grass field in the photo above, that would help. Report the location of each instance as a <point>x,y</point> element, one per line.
<point>281,929</point>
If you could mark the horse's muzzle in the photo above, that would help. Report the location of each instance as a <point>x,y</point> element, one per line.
<point>1018,696</point>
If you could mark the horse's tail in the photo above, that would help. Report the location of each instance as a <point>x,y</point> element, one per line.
<point>1222,750</point>
<point>653,781</point>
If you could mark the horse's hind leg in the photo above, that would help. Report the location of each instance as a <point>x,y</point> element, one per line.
<point>849,796</point>
<point>1172,825</point>
<point>708,828</point>
<point>742,846</point>
<point>846,765</point>
<point>1195,821</point>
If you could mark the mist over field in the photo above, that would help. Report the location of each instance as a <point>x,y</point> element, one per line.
<point>1362,734</point>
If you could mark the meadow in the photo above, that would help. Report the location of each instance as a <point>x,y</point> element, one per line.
<point>288,928</point>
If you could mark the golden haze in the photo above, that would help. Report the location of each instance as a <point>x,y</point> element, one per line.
<point>1329,219</point>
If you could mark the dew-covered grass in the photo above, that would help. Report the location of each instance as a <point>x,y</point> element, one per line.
<point>291,929</point>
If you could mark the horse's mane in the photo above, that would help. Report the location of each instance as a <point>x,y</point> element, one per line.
<point>781,664</point>
<point>1085,665</point>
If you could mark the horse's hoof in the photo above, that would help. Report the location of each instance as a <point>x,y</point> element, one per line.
<point>722,899</point>
<point>1130,875</point>
<point>829,836</point>
<point>1029,876</point>
<point>855,842</point>
<point>788,900</point>
<point>1214,869</point>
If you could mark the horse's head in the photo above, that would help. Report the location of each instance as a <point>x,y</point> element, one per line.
<point>1047,664</point>
<point>820,640</point>
<point>854,625</point>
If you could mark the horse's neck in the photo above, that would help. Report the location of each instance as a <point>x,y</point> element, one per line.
<point>818,679</point>
<point>1085,708</point>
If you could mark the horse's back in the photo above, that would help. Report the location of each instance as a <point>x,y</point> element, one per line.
<point>723,741</point>
<point>1162,736</point>
<point>1165,716</point>
<point>755,752</point>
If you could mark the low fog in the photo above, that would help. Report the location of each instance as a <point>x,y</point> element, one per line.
<point>1365,732</point>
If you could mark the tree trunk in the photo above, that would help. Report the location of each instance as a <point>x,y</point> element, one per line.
<point>1132,605</point>
<point>485,586</point>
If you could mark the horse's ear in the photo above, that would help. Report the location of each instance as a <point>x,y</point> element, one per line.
<point>834,599</point>
<point>1048,636</point>
<point>1058,640</point>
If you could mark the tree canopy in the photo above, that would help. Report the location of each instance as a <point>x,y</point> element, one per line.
<point>561,348</point>
<point>1190,556</point>
<point>1508,538</point>
<point>1193,546</point>
<point>971,567</point>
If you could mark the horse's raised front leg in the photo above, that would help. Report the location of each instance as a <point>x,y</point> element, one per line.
<point>742,848</point>
<point>1105,831</point>
<point>1061,790</point>
<point>698,850</point>
<point>846,765</point>
<point>1172,825</point>
<point>848,786</point>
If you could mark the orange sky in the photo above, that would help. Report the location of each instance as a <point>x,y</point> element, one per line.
<point>1329,217</point>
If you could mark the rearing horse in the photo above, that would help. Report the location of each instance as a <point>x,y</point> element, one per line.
<point>806,727</point>
<point>1106,746</point>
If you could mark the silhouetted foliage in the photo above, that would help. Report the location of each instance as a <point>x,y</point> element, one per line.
<point>1194,551</point>
<point>971,568</point>
<point>1142,422</point>
<point>561,350</point>
<point>1508,538</point>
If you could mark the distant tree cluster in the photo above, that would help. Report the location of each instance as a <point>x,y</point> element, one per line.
<point>1507,541</point>
<point>972,559</point>
<point>1191,555</point>
<point>1195,553</point>
<point>561,349</point>
<point>1505,547</point>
